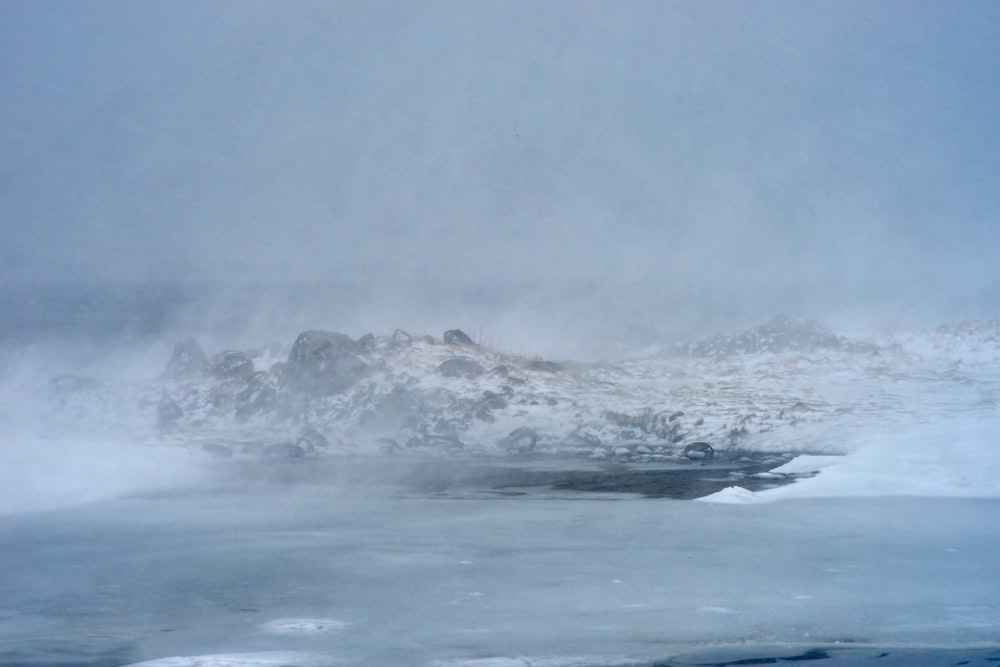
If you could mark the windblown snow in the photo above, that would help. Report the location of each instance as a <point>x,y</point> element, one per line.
<point>911,413</point>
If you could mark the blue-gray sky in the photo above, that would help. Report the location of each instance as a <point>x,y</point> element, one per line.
<point>569,161</point>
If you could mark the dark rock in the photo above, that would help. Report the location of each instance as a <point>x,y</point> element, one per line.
<point>259,396</point>
<point>324,363</point>
<point>521,440</point>
<point>494,401</point>
<point>312,440</point>
<point>458,337</point>
<point>400,339</point>
<point>393,410</point>
<point>698,450</point>
<point>367,343</point>
<point>460,367</point>
<point>221,397</point>
<point>187,361</point>
<point>231,365</point>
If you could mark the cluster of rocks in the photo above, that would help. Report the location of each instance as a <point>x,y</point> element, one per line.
<point>781,334</point>
<point>400,394</point>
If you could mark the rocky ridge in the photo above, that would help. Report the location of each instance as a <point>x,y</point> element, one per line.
<point>774,388</point>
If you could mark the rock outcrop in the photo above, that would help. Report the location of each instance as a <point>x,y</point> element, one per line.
<point>780,334</point>
<point>404,394</point>
<point>231,365</point>
<point>458,337</point>
<point>322,363</point>
<point>460,367</point>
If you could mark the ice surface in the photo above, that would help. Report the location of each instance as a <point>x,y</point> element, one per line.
<point>262,659</point>
<point>144,551</point>
<point>304,626</point>
<point>388,576</point>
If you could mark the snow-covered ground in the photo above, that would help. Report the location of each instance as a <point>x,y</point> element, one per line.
<point>880,414</point>
<point>121,542</point>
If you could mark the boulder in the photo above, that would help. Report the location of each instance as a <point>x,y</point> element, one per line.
<point>367,343</point>
<point>458,337</point>
<point>521,440</point>
<point>400,339</point>
<point>324,363</point>
<point>698,450</point>
<point>494,401</point>
<point>393,410</point>
<point>231,365</point>
<point>187,361</point>
<point>311,440</point>
<point>259,396</point>
<point>463,367</point>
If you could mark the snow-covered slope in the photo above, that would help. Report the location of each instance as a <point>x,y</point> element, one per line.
<point>787,386</point>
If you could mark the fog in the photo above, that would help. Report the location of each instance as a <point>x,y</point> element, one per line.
<point>565,182</point>
<point>548,173</point>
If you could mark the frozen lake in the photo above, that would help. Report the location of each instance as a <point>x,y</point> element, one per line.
<point>258,572</point>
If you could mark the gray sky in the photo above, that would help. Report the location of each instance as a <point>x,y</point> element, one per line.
<point>583,162</point>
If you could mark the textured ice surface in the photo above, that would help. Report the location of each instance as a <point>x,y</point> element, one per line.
<point>261,659</point>
<point>387,577</point>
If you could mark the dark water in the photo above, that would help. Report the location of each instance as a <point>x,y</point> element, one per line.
<point>680,480</point>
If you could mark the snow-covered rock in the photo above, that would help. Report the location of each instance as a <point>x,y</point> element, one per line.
<point>804,390</point>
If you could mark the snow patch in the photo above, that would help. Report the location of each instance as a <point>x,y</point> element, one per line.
<point>262,659</point>
<point>733,495</point>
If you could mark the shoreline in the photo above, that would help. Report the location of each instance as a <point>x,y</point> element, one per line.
<point>677,480</point>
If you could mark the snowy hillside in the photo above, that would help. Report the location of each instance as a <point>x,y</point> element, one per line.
<point>787,386</point>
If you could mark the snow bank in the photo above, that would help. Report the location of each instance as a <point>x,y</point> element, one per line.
<point>952,458</point>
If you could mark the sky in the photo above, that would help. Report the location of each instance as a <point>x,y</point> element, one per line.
<point>587,166</point>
